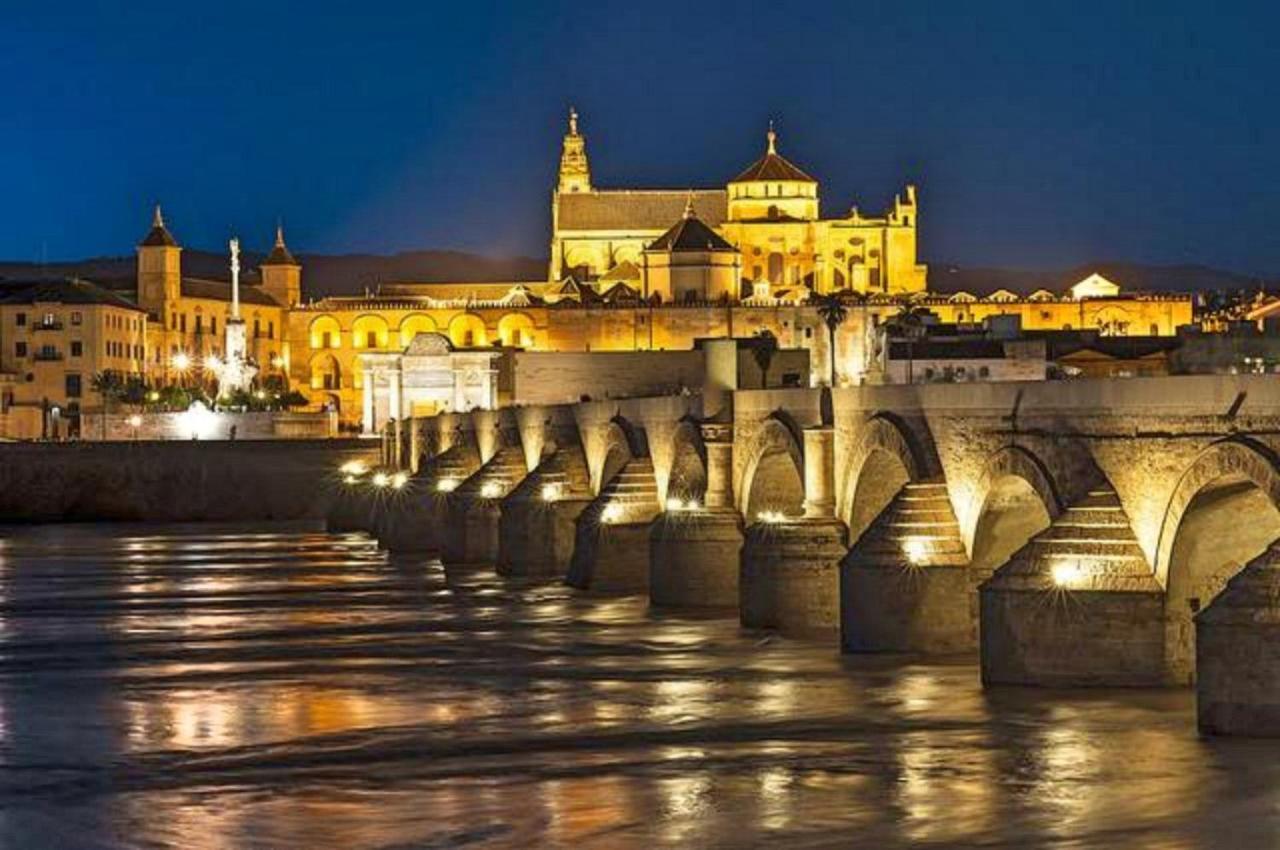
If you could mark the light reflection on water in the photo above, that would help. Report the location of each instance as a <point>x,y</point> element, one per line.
<point>212,688</point>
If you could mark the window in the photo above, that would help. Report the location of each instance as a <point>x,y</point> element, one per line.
<point>77,318</point>
<point>77,348</point>
<point>182,322</point>
<point>21,319</point>
<point>328,340</point>
<point>257,329</point>
<point>1155,329</point>
<point>213,325</point>
<point>73,386</point>
<point>20,349</point>
<point>984,372</point>
<point>371,339</point>
<point>271,330</point>
<point>173,321</point>
<point>199,324</point>
<point>468,339</point>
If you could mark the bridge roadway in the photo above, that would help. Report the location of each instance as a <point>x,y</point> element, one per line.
<point>1083,533</point>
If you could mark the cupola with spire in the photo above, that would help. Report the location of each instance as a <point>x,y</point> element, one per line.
<point>281,273</point>
<point>691,262</point>
<point>773,189</point>
<point>159,272</point>
<point>575,172</point>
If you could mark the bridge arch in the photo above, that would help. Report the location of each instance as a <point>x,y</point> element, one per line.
<point>687,477</point>
<point>1016,499</point>
<point>620,442</point>
<point>1223,512</point>
<point>773,472</point>
<point>882,460</point>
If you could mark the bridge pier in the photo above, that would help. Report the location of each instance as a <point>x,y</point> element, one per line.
<point>537,521</point>
<point>905,586</point>
<point>353,509</point>
<point>1077,605</point>
<point>472,511</point>
<point>1238,653</point>
<point>790,578</point>
<point>611,541</point>
<point>413,516</point>
<point>695,555</point>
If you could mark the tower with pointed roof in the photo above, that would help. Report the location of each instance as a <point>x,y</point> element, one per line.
<point>159,267</point>
<point>575,172</point>
<point>282,274</point>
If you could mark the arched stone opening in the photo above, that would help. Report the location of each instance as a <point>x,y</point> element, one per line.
<point>326,372</point>
<point>773,483</point>
<point>688,478</point>
<point>1018,502</point>
<point>880,464</point>
<point>1224,512</point>
<point>620,446</point>
<point>1012,513</point>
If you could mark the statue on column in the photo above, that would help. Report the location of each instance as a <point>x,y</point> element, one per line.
<point>236,370</point>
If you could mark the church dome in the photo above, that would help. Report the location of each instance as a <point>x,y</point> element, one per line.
<point>773,166</point>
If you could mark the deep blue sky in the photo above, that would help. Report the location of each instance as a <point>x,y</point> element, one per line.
<point>1040,134</point>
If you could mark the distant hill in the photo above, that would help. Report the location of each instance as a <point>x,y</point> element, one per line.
<point>349,274</point>
<point>340,274</point>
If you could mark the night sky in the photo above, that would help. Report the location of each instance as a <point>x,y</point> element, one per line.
<point>1041,135</point>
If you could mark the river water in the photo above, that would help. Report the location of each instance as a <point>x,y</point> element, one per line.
<point>222,687</point>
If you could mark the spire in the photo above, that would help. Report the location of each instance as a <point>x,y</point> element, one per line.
<point>280,255</point>
<point>575,172</point>
<point>688,206</point>
<point>773,138</point>
<point>158,235</point>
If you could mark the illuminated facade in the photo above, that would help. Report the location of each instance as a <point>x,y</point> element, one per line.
<point>630,270</point>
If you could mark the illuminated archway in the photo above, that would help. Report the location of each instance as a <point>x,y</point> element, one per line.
<point>325,332</point>
<point>516,330</point>
<point>880,463</point>
<point>687,480</point>
<point>773,476</point>
<point>370,331</point>
<point>1224,512</point>
<point>1018,500</point>
<point>414,324</point>
<point>466,330</point>
<point>326,372</point>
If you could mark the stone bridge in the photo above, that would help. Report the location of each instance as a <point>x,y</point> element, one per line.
<point>1076,533</point>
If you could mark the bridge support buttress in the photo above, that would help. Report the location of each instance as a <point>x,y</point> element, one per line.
<point>695,555</point>
<point>1077,605</point>
<point>906,586</point>
<point>1237,666</point>
<point>537,524</point>
<point>790,578</point>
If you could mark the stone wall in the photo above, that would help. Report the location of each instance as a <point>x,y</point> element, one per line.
<point>173,481</point>
<point>209,426</point>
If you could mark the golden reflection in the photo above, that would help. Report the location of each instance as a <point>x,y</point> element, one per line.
<point>945,800</point>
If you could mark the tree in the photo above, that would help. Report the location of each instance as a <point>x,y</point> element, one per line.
<point>908,323</point>
<point>763,347</point>
<point>833,312</point>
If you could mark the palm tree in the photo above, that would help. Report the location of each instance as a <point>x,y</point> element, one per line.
<point>909,324</point>
<point>763,348</point>
<point>833,312</point>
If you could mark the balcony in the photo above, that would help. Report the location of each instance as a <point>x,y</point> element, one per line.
<point>47,326</point>
<point>46,355</point>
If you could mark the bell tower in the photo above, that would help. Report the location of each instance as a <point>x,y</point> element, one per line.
<point>282,274</point>
<point>159,267</point>
<point>575,173</point>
